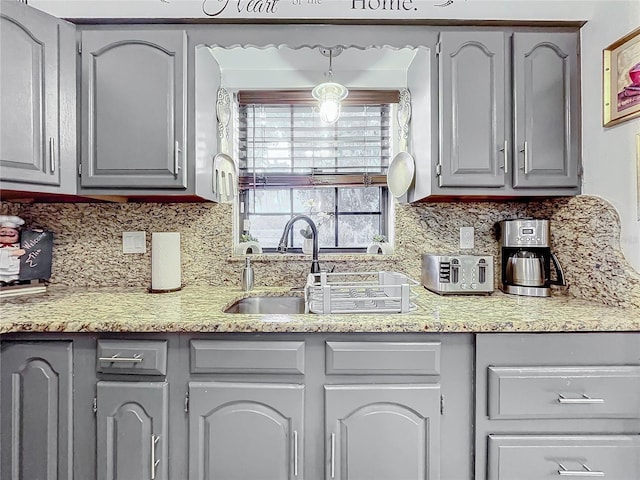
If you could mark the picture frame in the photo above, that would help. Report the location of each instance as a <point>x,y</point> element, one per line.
<point>638,173</point>
<point>621,79</point>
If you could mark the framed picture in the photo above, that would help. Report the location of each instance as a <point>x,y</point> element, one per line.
<point>638,171</point>
<point>621,81</point>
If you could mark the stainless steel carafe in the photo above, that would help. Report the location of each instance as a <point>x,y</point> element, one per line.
<point>526,268</point>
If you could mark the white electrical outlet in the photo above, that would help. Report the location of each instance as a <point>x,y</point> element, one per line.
<point>466,237</point>
<point>134,242</point>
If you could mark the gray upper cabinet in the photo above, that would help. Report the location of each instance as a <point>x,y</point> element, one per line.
<point>508,113</point>
<point>36,410</point>
<point>546,112</point>
<point>134,110</point>
<point>472,110</point>
<point>132,433</point>
<point>382,432</point>
<point>37,101</point>
<point>245,431</point>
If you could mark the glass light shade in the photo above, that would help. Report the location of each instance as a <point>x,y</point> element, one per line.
<point>329,96</point>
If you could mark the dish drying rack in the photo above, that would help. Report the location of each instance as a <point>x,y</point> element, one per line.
<point>363,292</point>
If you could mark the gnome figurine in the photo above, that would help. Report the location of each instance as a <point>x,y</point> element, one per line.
<point>10,251</point>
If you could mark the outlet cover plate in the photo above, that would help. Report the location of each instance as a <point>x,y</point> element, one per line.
<point>134,242</point>
<point>466,237</point>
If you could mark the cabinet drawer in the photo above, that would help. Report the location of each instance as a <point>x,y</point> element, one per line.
<point>231,356</point>
<point>564,392</point>
<point>133,357</point>
<point>383,358</point>
<point>542,457</point>
<point>553,349</point>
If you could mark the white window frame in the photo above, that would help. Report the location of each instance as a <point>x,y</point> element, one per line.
<point>336,181</point>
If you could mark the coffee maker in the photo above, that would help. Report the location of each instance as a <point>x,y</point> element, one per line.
<point>527,258</point>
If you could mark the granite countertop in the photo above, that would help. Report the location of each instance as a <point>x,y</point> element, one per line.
<point>201,309</point>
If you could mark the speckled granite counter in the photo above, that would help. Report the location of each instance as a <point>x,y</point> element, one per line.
<point>201,309</point>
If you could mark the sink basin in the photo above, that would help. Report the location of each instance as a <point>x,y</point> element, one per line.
<point>268,304</point>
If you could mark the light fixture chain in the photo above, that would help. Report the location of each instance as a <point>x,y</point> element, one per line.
<point>330,72</point>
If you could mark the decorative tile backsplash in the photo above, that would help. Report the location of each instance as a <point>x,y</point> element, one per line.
<point>88,243</point>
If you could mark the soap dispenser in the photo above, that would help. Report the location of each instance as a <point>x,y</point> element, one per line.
<point>247,275</point>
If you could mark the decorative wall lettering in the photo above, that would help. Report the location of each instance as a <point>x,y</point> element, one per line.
<point>267,7</point>
<point>388,5</point>
<point>270,8</point>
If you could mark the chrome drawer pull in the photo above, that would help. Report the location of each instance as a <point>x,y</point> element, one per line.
<point>587,472</point>
<point>137,358</point>
<point>585,400</point>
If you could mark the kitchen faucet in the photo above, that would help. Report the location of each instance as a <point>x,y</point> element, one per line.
<point>282,245</point>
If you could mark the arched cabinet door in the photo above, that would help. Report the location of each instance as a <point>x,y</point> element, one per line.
<point>382,432</point>
<point>245,431</point>
<point>134,109</point>
<point>546,109</point>
<point>472,109</point>
<point>36,414</point>
<point>29,139</point>
<point>132,433</point>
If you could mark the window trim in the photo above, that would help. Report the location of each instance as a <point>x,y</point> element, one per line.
<point>312,180</point>
<point>303,97</point>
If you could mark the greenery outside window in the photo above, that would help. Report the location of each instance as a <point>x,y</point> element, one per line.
<point>291,163</point>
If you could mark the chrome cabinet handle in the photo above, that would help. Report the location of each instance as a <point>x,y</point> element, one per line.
<point>176,159</point>
<point>525,150</point>
<point>137,358</point>
<point>154,462</point>
<point>587,472</point>
<point>584,400</point>
<point>505,153</point>
<point>52,154</point>
<point>333,455</point>
<point>295,453</point>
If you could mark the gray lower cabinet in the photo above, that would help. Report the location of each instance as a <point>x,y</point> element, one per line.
<point>508,122</point>
<point>382,432</point>
<point>564,392</point>
<point>546,457</point>
<point>546,406</point>
<point>370,428</point>
<point>132,430</point>
<point>245,431</point>
<point>134,110</point>
<point>37,101</point>
<point>557,405</point>
<point>36,410</point>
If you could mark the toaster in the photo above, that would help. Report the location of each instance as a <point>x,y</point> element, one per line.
<point>457,274</point>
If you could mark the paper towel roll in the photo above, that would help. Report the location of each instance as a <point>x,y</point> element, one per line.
<point>166,272</point>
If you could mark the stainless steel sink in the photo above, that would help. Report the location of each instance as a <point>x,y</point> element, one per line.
<point>268,304</point>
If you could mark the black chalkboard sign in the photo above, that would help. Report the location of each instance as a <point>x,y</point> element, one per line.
<point>35,264</point>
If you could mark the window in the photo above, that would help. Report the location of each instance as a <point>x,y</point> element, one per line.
<point>291,163</point>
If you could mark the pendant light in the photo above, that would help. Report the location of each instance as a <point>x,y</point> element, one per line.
<point>329,94</point>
